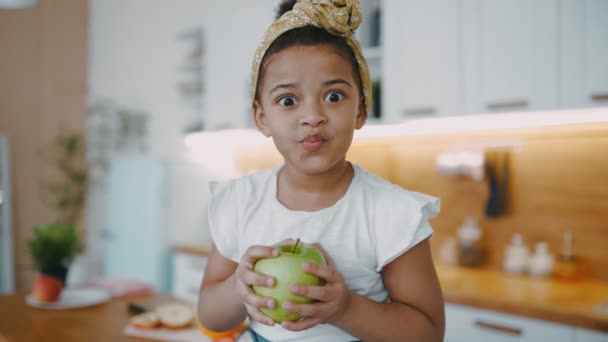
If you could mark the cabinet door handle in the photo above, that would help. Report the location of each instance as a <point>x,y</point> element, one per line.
<point>417,111</point>
<point>510,104</point>
<point>599,97</point>
<point>498,328</point>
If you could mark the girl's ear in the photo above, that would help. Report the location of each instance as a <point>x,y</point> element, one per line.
<point>259,118</point>
<point>361,116</point>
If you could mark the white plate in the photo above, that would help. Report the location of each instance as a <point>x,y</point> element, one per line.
<point>164,334</point>
<point>72,298</point>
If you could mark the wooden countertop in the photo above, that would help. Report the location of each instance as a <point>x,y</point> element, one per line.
<point>546,299</point>
<point>104,322</point>
<point>195,250</point>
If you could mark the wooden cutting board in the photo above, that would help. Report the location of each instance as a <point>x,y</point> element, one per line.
<point>163,334</point>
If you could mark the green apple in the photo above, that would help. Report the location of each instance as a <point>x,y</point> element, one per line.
<point>286,268</point>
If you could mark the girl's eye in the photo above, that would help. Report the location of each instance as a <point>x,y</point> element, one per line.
<point>287,101</point>
<point>334,97</point>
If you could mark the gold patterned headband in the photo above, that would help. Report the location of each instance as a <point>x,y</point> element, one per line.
<point>338,17</point>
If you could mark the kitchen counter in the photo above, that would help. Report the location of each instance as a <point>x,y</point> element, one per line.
<point>570,303</point>
<point>547,299</point>
<point>195,250</point>
<point>103,322</point>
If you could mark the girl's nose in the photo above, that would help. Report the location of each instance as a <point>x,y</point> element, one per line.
<point>314,115</point>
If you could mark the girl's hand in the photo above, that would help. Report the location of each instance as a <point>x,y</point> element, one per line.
<point>245,277</point>
<point>332,298</point>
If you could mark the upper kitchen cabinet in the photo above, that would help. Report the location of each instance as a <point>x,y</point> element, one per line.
<point>510,55</point>
<point>584,51</point>
<point>422,59</point>
<point>370,36</point>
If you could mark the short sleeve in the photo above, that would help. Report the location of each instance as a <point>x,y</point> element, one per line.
<point>402,222</point>
<point>223,218</point>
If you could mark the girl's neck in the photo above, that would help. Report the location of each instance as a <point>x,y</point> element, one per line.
<point>326,181</point>
<point>302,192</point>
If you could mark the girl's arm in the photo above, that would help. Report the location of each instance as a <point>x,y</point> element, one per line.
<point>415,313</point>
<point>225,297</point>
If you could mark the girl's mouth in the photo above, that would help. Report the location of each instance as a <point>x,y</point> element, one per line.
<point>313,143</point>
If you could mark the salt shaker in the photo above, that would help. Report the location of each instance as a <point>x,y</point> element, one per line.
<point>471,251</point>
<point>516,255</point>
<point>541,262</point>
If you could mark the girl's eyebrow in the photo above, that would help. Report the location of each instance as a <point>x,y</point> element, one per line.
<point>336,81</point>
<point>282,86</point>
<point>325,84</point>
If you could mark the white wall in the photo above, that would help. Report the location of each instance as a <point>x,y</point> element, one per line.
<point>133,61</point>
<point>134,56</point>
<point>235,35</point>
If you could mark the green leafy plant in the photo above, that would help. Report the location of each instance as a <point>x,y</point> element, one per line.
<point>54,245</point>
<point>65,191</point>
<point>53,248</point>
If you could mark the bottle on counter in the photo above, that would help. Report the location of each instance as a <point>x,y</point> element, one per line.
<point>470,247</point>
<point>541,262</point>
<point>516,256</point>
<point>448,252</point>
<point>567,266</point>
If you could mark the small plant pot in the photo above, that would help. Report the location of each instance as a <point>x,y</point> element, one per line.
<point>47,288</point>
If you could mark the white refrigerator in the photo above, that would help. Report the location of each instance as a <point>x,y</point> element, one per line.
<point>152,205</point>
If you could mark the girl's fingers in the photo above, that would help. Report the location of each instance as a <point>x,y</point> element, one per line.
<point>328,273</point>
<point>300,325</point>
<point>256,252</point>
<point>252,299</point>
<point>257,315</point>
<point>304,310</point>
<point>320,293</point>
<point>252,278</point>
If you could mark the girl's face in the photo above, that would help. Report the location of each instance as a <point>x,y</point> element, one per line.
<point>309,103</point>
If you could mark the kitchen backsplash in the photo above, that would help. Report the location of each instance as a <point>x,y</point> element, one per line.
<point>558,182</point>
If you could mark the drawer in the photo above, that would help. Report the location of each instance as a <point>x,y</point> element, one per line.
<point>465,323</point>
<point>189,261</point>
<point>586,335</point>
<point>188,270</point>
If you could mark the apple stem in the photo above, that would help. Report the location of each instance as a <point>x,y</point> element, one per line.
<point>295,247</point>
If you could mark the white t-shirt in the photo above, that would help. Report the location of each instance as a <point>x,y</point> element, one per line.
<point>371,225</point>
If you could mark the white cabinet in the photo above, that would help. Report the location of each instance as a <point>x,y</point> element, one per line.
<point>584,51</point>
<point>510,55</point>
<point>465,323</point>
<point>585,335</point>
<point>444,58</point>
<point>482,56</point>
<point>188,270</point>
<point>369,36</point>
<point>422,59</point>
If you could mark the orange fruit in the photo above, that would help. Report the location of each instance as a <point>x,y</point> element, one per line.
<point>228,335</point>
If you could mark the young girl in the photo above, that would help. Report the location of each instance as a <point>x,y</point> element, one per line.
<point>311,90</point>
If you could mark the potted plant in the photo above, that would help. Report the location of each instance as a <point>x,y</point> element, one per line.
<point>52,248</point>
<point>54,245</point>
